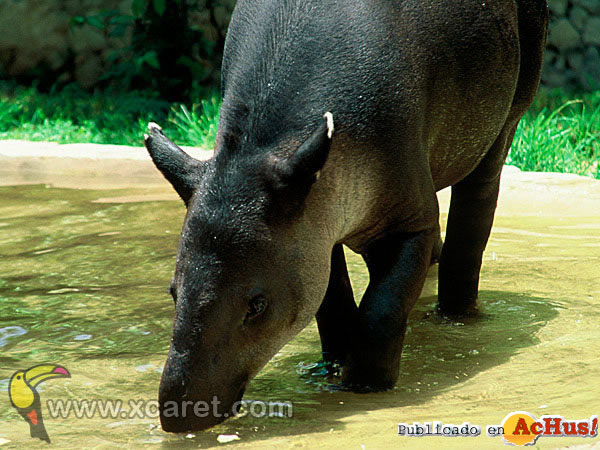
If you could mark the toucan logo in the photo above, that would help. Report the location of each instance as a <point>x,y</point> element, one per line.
<point>26,400</point>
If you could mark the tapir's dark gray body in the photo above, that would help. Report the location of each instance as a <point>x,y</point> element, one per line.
<point>423,95</point>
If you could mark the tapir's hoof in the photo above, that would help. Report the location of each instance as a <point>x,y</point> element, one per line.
<point>458,311</point>
<point>368,379</point>
<point>360,388</point>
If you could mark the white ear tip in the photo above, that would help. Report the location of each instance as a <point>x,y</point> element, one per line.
<point>330,128</point>
<point>154,126</point>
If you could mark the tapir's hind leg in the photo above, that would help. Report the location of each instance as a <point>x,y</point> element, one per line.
<point>337,315</point>
<point>474,199</point>
<point>470,218</point>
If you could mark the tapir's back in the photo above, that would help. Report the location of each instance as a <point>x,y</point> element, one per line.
<point>439,74</point>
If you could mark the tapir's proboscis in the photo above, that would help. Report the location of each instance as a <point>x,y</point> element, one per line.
<point>340,121</point>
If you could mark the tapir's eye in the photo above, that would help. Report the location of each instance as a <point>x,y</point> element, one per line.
<point>256,307</point>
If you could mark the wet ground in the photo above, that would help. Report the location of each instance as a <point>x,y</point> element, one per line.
<point>86,253</point>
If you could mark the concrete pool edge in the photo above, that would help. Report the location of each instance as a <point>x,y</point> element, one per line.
<point>12,148</point>
<point>97,166</point>
<point>80,166</point>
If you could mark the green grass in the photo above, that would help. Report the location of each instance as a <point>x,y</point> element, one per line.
<point>197,127</point>
<point>560,133</point>
<point>74,116</point>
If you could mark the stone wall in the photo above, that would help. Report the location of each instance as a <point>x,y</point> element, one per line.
<point>573,50</point>
<point>36,40</point>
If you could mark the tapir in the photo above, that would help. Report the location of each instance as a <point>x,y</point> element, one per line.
<point>340,121</point>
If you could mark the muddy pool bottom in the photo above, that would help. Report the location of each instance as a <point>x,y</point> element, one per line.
<point>86,254</point>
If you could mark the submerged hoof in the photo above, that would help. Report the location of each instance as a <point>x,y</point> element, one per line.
<point>458,312</point>
<point>367,387</point>
<point>323,369</point>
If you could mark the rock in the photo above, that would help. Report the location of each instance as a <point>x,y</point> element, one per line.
<point>30,33</point>
<point>88,69</point>
<point>589,77</point>
<point>563,35</point>
<point>578,17</point>
<point>222,15</point>
<point>588,80</point>
<point>37,38</point>
<point>571,76</point>
<point>225,438</point>
<point>86,38</point>
<point>56,58</point>
<point>558,7</point>
<point>549,59</point>
<point>592,6</point>
<point>575,60</point>
<point>591,34</point>
<point>554,78</point>
<point>592,55</point>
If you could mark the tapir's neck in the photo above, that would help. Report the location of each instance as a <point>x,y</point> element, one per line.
<point>343,197</point>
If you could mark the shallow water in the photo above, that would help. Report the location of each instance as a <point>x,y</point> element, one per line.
<point>83,284</point>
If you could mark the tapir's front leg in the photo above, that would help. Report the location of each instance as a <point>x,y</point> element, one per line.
<point>397,267</point>
<point>337,314</point>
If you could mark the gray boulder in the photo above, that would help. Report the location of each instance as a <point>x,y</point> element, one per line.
<point>591,33</point>
<point>578,17</point>
<point>558,7</point>
<point>563,35</point>
<point>592,6</point>
<point>575,60</point>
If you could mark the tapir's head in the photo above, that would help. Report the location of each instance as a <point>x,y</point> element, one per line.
<point>246,279</point>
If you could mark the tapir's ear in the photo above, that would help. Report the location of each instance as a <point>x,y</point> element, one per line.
<point>304,165</point>
<point>179,168</point>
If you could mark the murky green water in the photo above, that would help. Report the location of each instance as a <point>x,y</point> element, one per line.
<point>83,284</point>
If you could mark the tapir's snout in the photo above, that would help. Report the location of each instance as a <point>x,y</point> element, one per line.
<point>191,401</point>
<point>181,416</point>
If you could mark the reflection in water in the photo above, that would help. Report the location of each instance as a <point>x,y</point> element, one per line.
<point>84,284</point>
<point>8,332</point>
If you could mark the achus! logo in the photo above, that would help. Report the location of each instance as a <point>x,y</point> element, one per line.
<point>26,400</point>
<point>522,428</point>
